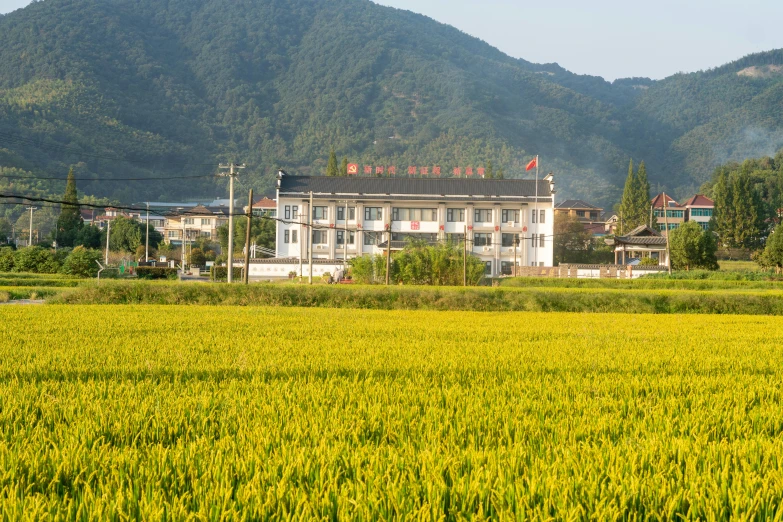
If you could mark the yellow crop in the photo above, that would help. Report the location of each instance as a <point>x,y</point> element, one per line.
<point>156,412</point>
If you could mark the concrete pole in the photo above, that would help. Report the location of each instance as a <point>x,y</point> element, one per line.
<point>231,225</point>
<point>147,239</point>
<point>247,235</point>
<point>310,237</point>
<point>30,241</point>
<point>108,233</point>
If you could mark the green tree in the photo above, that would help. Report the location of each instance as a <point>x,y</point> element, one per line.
<point>5,230</point>
<point>90,236</point>
<point>70,221</point>
<point>7,256</point>
<point>692,247</point>
<point>127,234</point>
<point>642,200</point>
<point>37,260</point>
<point>344,167</point>
<point>629,213</point>
<point>81,262</point>
<point>500,173</point>
<point>262,233</point>
<point>773,252</point>
<point>331,166</point>
<point>196,257</point>
<point>747,212</point>
<point>489,173</point>
<point>571,242</point>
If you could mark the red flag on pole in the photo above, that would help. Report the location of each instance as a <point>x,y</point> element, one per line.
<point>532,164</point>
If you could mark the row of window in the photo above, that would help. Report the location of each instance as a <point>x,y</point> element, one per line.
<point>177,234</point>
<point>202,222</point>
<point>376,238</point>
<point>507,240</point>
<point>453,215</point>
<point>670,213</point>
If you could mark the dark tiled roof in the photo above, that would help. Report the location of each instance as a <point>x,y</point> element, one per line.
<point>643,240</point>
<point>377,188</point>
<point>576,203</point>
<point>699,201</point>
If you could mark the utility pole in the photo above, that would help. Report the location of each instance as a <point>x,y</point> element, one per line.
<point>147,239</point>
<point>310,237</point>
<point>302,243</point>
<point>516,244</point>
<point>388,251</point>
<point>231,175</point>
<point>184,235</point>
<point>537,219</point>
<point>247,235</point>
<point>30,241</point>
<point>108,234</point>
<point>465,256</point>
<point>666,224</point>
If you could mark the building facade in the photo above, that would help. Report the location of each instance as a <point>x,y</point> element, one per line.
<point>584,212</point>
<point>193,223</point>
<point>502,220</point>
<point>674,213</point>
<point>700,209</point>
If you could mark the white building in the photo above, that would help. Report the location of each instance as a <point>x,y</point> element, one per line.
<point>492,212</point>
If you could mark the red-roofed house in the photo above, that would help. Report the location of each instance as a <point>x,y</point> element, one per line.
<point>699,209</point>
<point>264,207</point>
<point>675,213</point>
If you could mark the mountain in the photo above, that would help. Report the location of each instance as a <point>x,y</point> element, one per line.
<point>169,88</point>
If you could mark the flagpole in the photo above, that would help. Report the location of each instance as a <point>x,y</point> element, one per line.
<point>537,218</point>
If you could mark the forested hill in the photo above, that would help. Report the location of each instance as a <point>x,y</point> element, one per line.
<point>139,88</point>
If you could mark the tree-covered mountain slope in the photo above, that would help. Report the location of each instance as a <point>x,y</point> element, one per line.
<point>168,88</point>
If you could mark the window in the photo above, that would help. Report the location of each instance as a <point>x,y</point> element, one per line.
<point>286,237</point>
<point>405,236</point>
<point>341,213</point>
<point>541,239</point>
<point>487,267</point>
<point>507,240</point>
<point>701,212</point>
<point>670,213</point>
<point>482,215</point>
<point>173,233</point>
<point>593,215</point>
<point>506,267</point>
<point>704,226</point>
<point>538,240</point>
<point>414,214</point>
<point>294,236</point>
<point>319,237</point>
<point>481,240</point>
<point>455,215</point>
<point>295,212</point>
<point>533,215</point>
<point>287,212</point>
<point>373,214</point>
<point>510,215</point>
<point>190,221</point>
<point>206,222</point>
<point>372,238</point>
<point>320,213</point>
<point>341,237</point>
<point>455,239</point>
<point>542,216</point>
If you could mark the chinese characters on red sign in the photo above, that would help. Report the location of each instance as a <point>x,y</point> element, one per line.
<point>481,171</point>
<point>415,225</point>
<point>457,172</point>
<point>379,170</point>
<point>436,171</point>
<point>392,171</point>
<point>469,171</point>
<point>411,171</point>
<point>368,169</point>
<point>425,171</point>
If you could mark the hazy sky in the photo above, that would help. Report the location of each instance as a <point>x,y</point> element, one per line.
<point>609,38</point>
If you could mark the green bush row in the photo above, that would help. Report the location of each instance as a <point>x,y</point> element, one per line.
<point>220,273</point>
<point>156,272</point>
<point>78,262</point>
<point>430,298</point>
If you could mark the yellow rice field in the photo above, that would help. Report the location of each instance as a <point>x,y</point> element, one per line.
<point>167,412</point>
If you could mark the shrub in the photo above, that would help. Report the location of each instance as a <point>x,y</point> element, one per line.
<point>82,262</point>
<point>36,260</point>
<point>156,272</point>
<point>6,259</point>
<point>220,273</point>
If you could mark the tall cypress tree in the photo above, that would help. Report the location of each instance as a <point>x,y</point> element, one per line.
<point>500,173</point>
<point>344,167</point>
<point>331,166</point>
<point>642,196</point>
<point>723,196</point>
<point>628,206</point>
<point>70,221</point>
<point>490,172</point>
